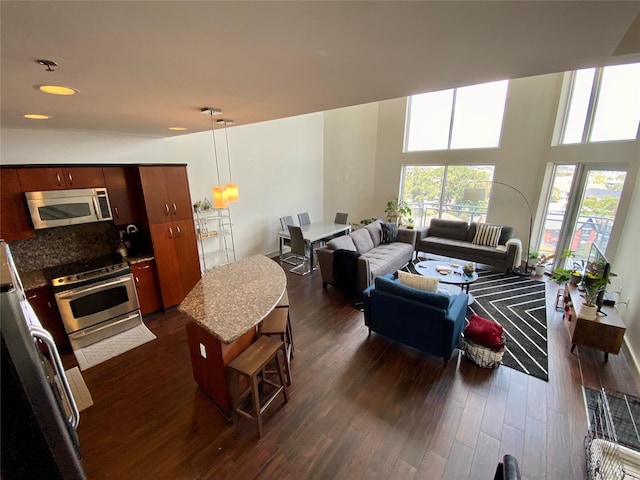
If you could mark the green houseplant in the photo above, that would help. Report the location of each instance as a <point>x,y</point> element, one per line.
<point>589,309</point>
<point>398,211</point>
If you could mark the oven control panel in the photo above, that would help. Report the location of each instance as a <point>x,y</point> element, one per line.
<point>95,275</point>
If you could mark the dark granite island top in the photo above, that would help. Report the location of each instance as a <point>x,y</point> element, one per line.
<point>230,300</point>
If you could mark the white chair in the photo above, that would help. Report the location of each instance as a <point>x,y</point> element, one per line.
<point>341,218</point>
<point>300,249</point>
<point>303,219</point>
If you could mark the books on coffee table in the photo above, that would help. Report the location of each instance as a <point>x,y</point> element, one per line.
<point>443,269</point>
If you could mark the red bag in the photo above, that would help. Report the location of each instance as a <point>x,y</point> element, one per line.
<point>485,332</point>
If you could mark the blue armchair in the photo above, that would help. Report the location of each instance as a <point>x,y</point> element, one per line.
<point>429,321</point>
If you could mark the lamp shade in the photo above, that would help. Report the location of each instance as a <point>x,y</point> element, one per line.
<point>232,192</point>
<point>220,198</point>
<point>474,195</point>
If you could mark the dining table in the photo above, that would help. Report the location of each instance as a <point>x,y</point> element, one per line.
<point>314,233</point>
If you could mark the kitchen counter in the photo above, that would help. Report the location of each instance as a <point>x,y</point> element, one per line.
<point>232,299</point>
<point>33,279</point>
<point>134,260</point>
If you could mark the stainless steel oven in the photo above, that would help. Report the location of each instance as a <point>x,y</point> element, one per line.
<point>97,303</point>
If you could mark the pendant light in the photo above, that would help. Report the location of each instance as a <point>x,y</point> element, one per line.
<point>220,199</point>
<point>232,188</point>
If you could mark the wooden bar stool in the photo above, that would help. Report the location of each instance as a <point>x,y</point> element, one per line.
<point>284,303</point>
<point>251,363</point>
<point>276,324</point>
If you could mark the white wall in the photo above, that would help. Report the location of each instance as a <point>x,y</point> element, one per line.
<point>278,166</point>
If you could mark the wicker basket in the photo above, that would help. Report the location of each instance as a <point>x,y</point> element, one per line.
<point>482,356</point>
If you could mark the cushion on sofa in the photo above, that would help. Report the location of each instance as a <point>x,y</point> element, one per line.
<point>418,281</point>
<point>362,240</point>
<point>485,332</point>
<point>394,287</point>
<point>375,230</point>
<point>389,232</point>
<point>342,242</point>
<point>505,235</point>
<point>487,235</point>
<point>453,229</point>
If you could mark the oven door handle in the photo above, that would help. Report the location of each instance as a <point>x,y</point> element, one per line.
<point>76,292</point>
<point>44,336</point>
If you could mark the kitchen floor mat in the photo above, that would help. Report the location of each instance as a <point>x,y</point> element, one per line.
<point>103,350</point>
<point>79,388</point>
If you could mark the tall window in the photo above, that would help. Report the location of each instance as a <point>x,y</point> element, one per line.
<point>603,105</point>
<point>438,191</point>
<point>466,117</point>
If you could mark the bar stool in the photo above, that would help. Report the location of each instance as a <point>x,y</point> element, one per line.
<point>284,303</point>
<point>277,324</point>
<point>251,363</point>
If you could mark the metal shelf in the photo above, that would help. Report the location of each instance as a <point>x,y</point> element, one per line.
<point>214,232</point>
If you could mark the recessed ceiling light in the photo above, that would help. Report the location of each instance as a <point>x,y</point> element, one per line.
<point>177,129</point>
<point>57,89</point>
<point>36,116</point>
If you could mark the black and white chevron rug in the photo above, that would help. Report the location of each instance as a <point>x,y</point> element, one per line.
<point>518,304</point>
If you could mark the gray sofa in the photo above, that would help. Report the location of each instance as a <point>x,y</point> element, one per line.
<point>373,258</point>
<point>454,239</point>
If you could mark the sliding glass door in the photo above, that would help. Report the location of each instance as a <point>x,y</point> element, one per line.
<point>581,208</point>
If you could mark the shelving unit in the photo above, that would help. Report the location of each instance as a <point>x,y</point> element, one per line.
<point>214,232</point>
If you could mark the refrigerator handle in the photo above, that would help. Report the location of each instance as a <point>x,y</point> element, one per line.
<point>42,334</point>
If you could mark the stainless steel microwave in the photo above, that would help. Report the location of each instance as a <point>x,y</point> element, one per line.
<point>58,208</point>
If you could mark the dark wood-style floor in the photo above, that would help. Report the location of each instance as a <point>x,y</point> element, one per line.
<point>360,407</point>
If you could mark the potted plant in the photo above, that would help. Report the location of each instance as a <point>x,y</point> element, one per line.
<point>533,258</point>
<point>589,309</point>
<point>397,211</point>
<point>541,263</point>
<point>469,268</point>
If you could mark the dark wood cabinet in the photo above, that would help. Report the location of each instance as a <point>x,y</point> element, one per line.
<point>44,304</point>
<point>123,187</point>
<point>166,193</point>
<point>146,278</point>
<point>60,178</point>
<point>15,223</point>
<point>176,253</point>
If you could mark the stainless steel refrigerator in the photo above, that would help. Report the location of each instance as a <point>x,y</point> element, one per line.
<point>39,416</point>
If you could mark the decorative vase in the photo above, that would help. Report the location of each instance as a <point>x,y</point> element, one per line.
<point>539,270</point>
<point>588,312</point>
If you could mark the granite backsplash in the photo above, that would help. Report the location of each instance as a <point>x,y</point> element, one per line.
<point>60,245</point>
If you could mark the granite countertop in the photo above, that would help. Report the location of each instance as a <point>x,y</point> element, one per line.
<point>33,279</point>
<point>230,300</point>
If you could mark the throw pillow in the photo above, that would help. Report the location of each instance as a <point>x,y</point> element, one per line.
<point>389,232</point>
<point>343,242</point>
<point>418,281</point>
<point>362,240</point>
<point>485,332</point>
<point>487,235</point>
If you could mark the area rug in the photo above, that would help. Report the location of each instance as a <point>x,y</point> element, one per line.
<point>625,413</point>
<point>518,304</point>
<point>79,388</point>
<point>102,351</point>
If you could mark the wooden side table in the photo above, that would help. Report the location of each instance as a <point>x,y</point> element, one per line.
<point>605,333</point>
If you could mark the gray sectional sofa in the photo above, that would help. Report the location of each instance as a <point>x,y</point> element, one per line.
<point>370,256</point>
<point>454,239</point>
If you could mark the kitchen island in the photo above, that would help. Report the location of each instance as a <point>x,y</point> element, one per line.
<point>226,306</point>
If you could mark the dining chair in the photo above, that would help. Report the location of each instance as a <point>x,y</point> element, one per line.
<point>300,248</point>
<point>341,218</point>
<point>284,223</point>
<point>303,219</point>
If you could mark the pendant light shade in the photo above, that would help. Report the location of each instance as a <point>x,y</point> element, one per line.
<point>220,197</point>
<point>232,192</point>
<point>232,188</point>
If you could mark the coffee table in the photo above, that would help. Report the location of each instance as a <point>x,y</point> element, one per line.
<point>429,268</point>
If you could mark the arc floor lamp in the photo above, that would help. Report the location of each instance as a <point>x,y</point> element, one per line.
<point>480,194</point>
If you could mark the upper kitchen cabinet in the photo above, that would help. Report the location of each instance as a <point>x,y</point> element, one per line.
<point>60,178</point>
<point>14,216</point>
<point>166,193</point>
<point>123,187</point>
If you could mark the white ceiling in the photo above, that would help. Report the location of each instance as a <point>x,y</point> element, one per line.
<point>142,66</point>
